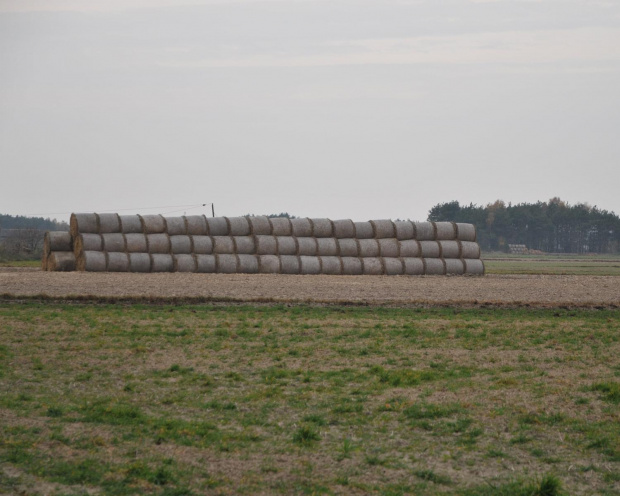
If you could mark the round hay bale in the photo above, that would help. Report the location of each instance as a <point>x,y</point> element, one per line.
<point>302,228</point>
<point>287,245</point>
<point>307,246</point>
<point>454,266</point>
<point>389,247</point>
<point>368,248</point>
<point>429,249</point>
<point>404,229</point>
<point>309,265</point>
<point>445,230</point>
<point>327,247</point>
<point>260,225</point>
<point>162,262</point>
<point>322,228</point>
<point>227,263</point>
<point>238,226</point>
<point>269,264</point>
<point>266,245</point>
<point>245,245</point>
<point>184,263</point>
<point>139,262</point>
<point>383,228</point>
<point>394,266</point>
<point>44,258</point>
<point>465,232</point>
<point>450,249</point>
<point>217,226</point>
<point>61,261</point>
<point>434,267</point>
<point>348,247</point>
<point>153,224</point>
<point>223,245</point>
<point>130,224</point>
<point>57,241</point>
<point>180,244</point>
<point>109,223</point>
<point>409,248</point>
<point>352,266</point>
<point>474,267</point>
<point>202,245</point>
<point>424,231</point>
<point>331,266</point>
<point>176,226</point>
<point>372,266</point>
<point>136,243</point>
<point>289,264</point>
<point>364,230</point>
<point>206,264</point>
<point>118,262</point>
<point>113,242</point>
<point>196,225</point>
<point>83,224</point>
<point>248,264</point>
<point>344,228</point>
<point>281,226</point>
<point>91,261</point>
<point>413,266</point>
<point>87,242</point>
<point>470,249</point>
<point>158,243</point>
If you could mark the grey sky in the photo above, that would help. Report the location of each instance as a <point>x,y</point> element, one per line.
<point>341,108</point>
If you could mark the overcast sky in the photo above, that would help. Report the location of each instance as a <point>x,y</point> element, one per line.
<point>341,108</point>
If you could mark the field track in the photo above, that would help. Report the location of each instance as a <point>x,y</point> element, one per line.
<point>501,290</point>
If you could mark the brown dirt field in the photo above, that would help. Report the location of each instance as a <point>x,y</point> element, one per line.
<point>506,290</point>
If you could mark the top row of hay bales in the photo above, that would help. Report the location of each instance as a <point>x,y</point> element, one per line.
<point>201,225</point>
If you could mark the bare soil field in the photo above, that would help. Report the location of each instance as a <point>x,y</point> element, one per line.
<point>493,289</point>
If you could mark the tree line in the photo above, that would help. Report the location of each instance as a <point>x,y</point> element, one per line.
<point>22,237</point>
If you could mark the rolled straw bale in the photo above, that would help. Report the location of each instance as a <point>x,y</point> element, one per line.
<point>260,225</point>
<point>266,245</point>
<point>217,226</point>
<point>44,259</point>
<point>307,246</point>
<point>87,242</point>
<point>351,266</point>
<point>281,226</point>
<point>239,226</point>
<point>372,266</point>
<point>434,267</point>
<point>109,223</point>
<point>269,264</point>
<point>162,262</point>
<point>113,242</point>
<point>309,265</point>
<point>327,247</point>
<point>289,264</point>
<point>136,243</point>
<point>57,241</point>
<point>322,228</point>
<point>404,229</point>
<point>445,230</point>
<point>184,263</point>
<point>344,228</point>
<point>454,266</point>
<point>429,249</point>
<point>364,230</point>
<point>130,224</point>
<point>470,249</point>
<point>206,264</point>
<point>203,245</point>
<point>83,224</point>
<point>223,244</point>
<point>158,243</point>
<point>413,266</point>
<point>331,266</point>
<point>302,228</point>
<point>227,263</point>
<point>61,261</point>
<point>196,225</point>
<point>394,266</point>
<point>450,249</point>
<point>466,232</point>
<point>248,264</point>
<point>139,262</point>
<point>474,267</point>
<point>389,247</point>
<point>424,231</point>
<point>383,228</point>
<point>349,247</point>
<point>369,248</point>
<point>180,244</point>
<point>153,224</point>
<point>118,262</point>
<point>91,261</point>
<point>176,226</point>
<point>287,245</point>
<point>244,245</point>
<point>409,248</point>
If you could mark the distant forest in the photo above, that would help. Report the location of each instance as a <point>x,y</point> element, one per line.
<point>553,226</point>
<point>22,237</point>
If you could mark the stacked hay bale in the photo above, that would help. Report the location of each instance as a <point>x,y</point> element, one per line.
<point>153,243</point>
<point>58,252</point>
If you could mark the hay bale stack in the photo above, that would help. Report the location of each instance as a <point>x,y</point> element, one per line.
<point>203,245</point>
<point>410,248</point>
<point>372,266</point>
<point>162,262</point>
<point>364,230</point>
<point>227,263</point>
<point>309,265</point>
<point>61,261</point>
<point>331,265</point>
<point>136,243</point>
<point>217,226</point>
<point>289,264</point>
<point>424,231</point>
<point>413,266</point>
<point>83,224</point>
<point>383,228</point>
<point>470,249</point>
<point>434,267</point>
<point>394,266</point>
<point>450,249</point>
<point>430,249</point>
<point>404,229</point>
<point>389,247</point>
<point>454,266</point>
<point>322,228</point>
<point>286,245</point>
<point>473,267</point>
<point>196,225</point>
<point>57,241</point>
<point>130,224</point>
<point>139,262</point>
<point>91,261</point>
<point>368,248</point>
<point>349,247</point>
<point>327,247</point>
<point>269,264</point>
<point>281,226</point>
<point>466,232</point>
<point>158,243</point>
<point>260,225</point>
<point>266,245</point>
<point>113,242</point>
<point>247,264</point>
<point>344,228</point>
<point>153,224</point>
<point>181,244</point>
<point>223,245</point>
<point>307,246</point>
<point>445,230</point>
<point>118,262</point>
<point>238,226</point>
<point>176,226</point>
<point>109,223</point>
<point>184,263</point>
<point>245,245</point>
<point>87,242</point>
<point>302,228</point>
<point>352,266</point>
<point>206,264</point>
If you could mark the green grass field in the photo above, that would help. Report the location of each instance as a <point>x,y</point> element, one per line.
<point>587,265</point>
<point>306,400</point>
